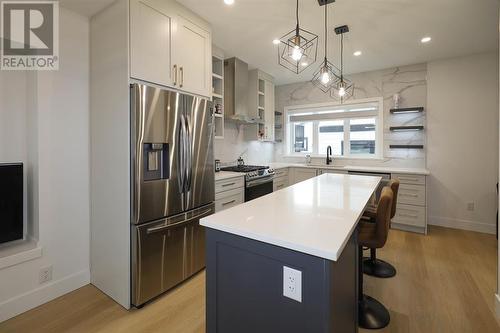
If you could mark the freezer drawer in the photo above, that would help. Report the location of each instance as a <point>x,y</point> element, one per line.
<point>167,252</point>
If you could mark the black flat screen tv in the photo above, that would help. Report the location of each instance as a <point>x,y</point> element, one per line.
<point>11,202</point>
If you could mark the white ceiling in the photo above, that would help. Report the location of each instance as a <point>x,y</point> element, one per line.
<point>388,32</point>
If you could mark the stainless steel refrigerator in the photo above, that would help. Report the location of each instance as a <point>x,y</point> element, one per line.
<point>172,172</point>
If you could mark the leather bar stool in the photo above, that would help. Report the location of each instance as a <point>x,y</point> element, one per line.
<point>371,313</point>
<point>371,265</point>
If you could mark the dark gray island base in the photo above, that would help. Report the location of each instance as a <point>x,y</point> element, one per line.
<point>245,288</point>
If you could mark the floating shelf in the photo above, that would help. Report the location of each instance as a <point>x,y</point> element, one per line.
<point>406,128</point>
<point>217,95</point>
<point>408,110</point>
<point>219,115</point>
<point>261,108</point>
<point>406,146</point>
<point>261,93</point>
<point>217,76</point>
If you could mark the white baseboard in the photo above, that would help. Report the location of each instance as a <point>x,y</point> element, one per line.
<point>486,228</point>
<point>31,299</point>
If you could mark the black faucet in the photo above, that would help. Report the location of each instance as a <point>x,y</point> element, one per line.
<point>328,155</point>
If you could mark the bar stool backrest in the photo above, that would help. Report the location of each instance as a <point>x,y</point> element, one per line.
<point>394,185</point>
<point>383,220</point>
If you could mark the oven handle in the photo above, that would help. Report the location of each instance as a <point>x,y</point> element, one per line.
<point>259,181</point>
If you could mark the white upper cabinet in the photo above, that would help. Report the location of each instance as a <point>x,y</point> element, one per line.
<point>169,48</point>
<point>150,44</point>
<point>192,54</point>
<point>269,111</point>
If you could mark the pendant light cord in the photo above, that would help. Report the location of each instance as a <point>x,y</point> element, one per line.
<point>342,57</point>
<point>326,31</point>
<point>297,18</point>
<point>297,12</point>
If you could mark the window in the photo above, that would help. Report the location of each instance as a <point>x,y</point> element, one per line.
<point>352,130</point>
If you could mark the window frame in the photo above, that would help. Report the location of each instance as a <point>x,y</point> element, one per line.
<point>379,128</point>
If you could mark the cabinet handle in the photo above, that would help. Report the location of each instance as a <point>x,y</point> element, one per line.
<point>409,195</point>
<point>181,69</point>
<point>225,185</point>
<point>228,203</point>
<point>175,75</point>
<point>409,215</point>
<point>408,179</point>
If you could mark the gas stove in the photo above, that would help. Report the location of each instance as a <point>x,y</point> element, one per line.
<point>252,172</point>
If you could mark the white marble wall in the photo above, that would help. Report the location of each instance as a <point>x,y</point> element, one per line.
<point>409,81</point>
<point>235,144</point>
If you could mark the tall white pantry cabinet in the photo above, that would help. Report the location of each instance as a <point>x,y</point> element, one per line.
<point>158,42</point>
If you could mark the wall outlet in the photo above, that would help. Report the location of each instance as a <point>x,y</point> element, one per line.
<point>292,284</point>
<point>470,206</point>
<point>45,274</point>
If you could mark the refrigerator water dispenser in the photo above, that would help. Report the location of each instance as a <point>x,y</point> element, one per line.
<point>156,161</point>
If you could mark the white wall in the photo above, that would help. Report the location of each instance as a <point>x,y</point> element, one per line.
<point>236,144</point>
<point>408,81</point>
<point>55,118</point>
<point>498,228</point>
<point>462,154</point>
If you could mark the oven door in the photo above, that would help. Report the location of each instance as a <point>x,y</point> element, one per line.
<point>258,187</point>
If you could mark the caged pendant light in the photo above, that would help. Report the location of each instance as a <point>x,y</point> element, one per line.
<point>326,75</point>
<point>297,49</point>
<point>343,88</point>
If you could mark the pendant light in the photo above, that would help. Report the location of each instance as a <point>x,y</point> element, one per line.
<point>343,88</point>
<point>326,75</point>
<point>297,49</point>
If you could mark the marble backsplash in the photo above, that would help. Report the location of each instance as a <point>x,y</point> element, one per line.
<point>236,144</point>
<point>410,82</point>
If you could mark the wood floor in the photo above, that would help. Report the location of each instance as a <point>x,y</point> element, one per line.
<point>445,283</point>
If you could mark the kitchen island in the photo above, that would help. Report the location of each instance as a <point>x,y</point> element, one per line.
<point>299,242</point>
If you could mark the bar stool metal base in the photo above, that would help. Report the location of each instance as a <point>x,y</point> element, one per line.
<point>372,314</point>
<point>378,268</point>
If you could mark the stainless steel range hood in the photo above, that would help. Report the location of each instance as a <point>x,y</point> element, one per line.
<point>236,92</point>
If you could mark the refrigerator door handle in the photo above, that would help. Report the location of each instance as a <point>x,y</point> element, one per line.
<point>168,226</point>
<point>189,156</point>
<point>182,157</point>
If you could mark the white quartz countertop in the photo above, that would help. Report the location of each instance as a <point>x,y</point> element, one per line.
<point>227,175</point>
<point>384,169</point>
<point>316,216</point>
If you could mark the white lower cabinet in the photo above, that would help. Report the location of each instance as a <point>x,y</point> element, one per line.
<point>281,179</point>
<point>411,209</point>
<point>410,215</point>
<point>229,193</point>
<point>300,174</point>
<point>280,183</point>
<point>322,171</point>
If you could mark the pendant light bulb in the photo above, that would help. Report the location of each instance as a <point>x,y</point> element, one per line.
<point>325,77</point>
<point>342,92</point>
<point>296,53</point>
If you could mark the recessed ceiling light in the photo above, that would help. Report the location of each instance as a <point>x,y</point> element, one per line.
<point>426,39</point>
<point>357,53</point>
<point>276,41</point>
<point>229,2</point>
